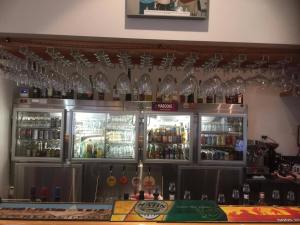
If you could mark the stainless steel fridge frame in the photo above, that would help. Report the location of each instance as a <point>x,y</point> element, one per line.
<point>19,177</point>
<point>101,110</point>
<point>164,161</point>
<point>32,108</point>
<point>223,110</point>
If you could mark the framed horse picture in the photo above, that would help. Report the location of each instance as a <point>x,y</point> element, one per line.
<point>178,9</point>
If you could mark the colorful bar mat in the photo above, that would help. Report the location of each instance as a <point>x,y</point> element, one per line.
<point>200,211</point>
<point>55,211</point>
<point>167,211</point>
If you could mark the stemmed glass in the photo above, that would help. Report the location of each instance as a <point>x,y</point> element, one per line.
<point>290,197</point>
<point>102,84</point>
<point>188,85</point>
<point>168,85</point>
<point>204,196</point>
<point>123,84</point>
<point>276,197</point>
<point>221,199</point>
<point>236,196</point>
<point>145,84</point>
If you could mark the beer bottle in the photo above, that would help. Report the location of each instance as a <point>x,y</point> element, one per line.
<point>128,96</point>
<point>135,91</point>
<point>199,93</point>
<point>115,94</point>
<point>175,93</point>
<point>158,93</point>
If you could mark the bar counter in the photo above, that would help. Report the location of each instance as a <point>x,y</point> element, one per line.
<point>145,212</point>
<point>23,222</point>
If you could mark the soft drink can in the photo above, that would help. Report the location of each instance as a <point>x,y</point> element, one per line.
<point>41,134</point>
<point>46,134</point>
<point>35,134</point>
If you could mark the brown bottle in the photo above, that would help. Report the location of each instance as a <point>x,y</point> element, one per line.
<point>158,94</point>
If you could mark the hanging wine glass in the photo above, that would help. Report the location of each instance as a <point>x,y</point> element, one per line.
<point>188,85</point>
<point>168,85</point>
<point>102,84</point>
<point>145,84</point>
<point>123,84</point>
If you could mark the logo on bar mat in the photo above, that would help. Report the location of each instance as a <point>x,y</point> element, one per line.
<point>150,209</point>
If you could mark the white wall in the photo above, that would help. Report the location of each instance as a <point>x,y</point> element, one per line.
<point>274,116</point>
<point>6,98</point>
<point>253,21</point>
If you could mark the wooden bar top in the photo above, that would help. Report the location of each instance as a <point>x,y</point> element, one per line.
<point>27,222</point>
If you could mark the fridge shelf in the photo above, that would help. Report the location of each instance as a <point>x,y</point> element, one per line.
<point>119,143</point>
<point>39,140</point>
<point>222,132</point>
<point>217,146</point>
<point>161,143</point>
<point>43,128</point>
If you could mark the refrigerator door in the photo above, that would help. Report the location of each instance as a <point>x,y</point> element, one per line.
<point>104,136</point>
<point>168,138</point>
<point>37,135</point>
<point>222,138</point>
<point>49,176</point>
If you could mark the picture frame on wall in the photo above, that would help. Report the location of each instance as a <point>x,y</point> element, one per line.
<point>168,9</point>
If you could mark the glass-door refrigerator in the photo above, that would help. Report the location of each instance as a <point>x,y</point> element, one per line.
<point>222,138</point>
<point>168,138</point>
<point>37,134</point>
<point>104,136</point>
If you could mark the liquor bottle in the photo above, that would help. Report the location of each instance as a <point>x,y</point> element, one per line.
<point>67,94</point>
<point>135,90</point>
<point>240,98</point>
<point>24,92</point>
<point>261,200</point>
<point>158,93</point>
<point>148,95</point>
<point>35,93</point>
<point>101,96</point>
<point>44,93</point>
<point>56,94</point>
<point>209,99</point>
<point>166,98</point>
<point>50,92</point>
<point>115,94</point>
<point>199,93</point>
<point>175,93</point>
<point>246,194</point>
<point>190,98</point>
<point>128,96</point>
<point>219,98</point>
<point>183,135</point>
<point>153,153</point>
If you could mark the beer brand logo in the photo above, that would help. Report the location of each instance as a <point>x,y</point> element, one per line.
<point>150,209</point>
